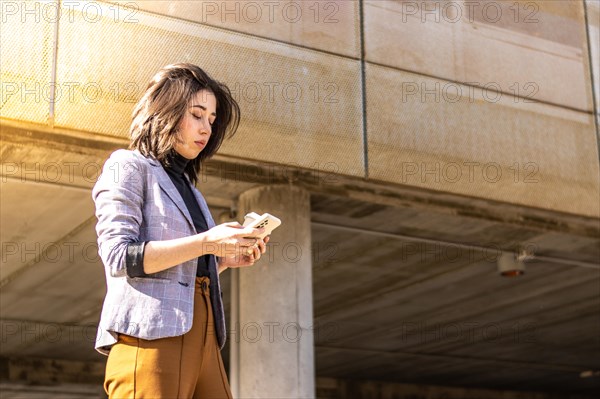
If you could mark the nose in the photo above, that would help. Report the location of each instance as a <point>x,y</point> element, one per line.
<point>205,127</point>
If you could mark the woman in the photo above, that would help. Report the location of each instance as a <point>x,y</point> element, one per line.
<point>162,324</point>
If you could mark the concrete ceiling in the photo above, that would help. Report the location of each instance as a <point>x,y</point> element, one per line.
<point>386,307</point>
<point>396,316</point>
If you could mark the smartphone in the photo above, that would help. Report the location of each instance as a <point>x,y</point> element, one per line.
<point>266,220</point>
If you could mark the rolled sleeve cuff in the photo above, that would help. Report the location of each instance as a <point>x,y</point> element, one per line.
<point>134,260</point>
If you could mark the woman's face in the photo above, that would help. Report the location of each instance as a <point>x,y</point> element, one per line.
<point>196,126</point>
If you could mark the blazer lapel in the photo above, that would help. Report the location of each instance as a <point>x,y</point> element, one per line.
<point>165,183</point>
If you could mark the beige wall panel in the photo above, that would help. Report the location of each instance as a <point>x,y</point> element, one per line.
<point>329,25</point>
<point>26,42</point>
<point>298,106</point>
<point>497,46</point>
<point>493,148</point>
<point>401,40</point>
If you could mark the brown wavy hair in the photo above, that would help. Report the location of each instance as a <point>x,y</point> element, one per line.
<point>156,117</point>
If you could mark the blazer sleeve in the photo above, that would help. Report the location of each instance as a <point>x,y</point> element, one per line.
<point>119,199</point>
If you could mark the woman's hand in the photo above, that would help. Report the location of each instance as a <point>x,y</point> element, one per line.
<point>253,254</point>
<point>232,240</point>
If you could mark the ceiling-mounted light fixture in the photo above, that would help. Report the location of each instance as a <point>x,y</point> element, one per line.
<point>589,373</point>
<point>511,264</point>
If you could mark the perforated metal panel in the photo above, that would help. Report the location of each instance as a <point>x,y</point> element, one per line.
<point>26,43</point>
<point>479,144</point>
<point>329,25</point>
<point>298,106</point>
<point>530,49</point>
<point>303,107</point>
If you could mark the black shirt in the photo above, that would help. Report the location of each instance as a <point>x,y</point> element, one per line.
<point>175,171</point>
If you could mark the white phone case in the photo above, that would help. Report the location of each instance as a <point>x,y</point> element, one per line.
<point>268,221</point>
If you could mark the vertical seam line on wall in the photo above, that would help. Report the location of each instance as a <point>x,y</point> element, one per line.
<point>235,349</point>
<point>299,381</point>
<point>363,87</point>
<point>52,99</point>
<point>591,69</point>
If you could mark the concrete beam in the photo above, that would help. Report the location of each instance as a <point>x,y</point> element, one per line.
<point>247,173</point>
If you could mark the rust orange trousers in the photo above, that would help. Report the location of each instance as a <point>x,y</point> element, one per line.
<point>187,366</point>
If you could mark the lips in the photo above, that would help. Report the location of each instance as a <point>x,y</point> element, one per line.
<point>200,143</point>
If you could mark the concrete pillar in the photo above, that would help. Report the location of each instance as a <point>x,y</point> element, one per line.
<point>271,337</point>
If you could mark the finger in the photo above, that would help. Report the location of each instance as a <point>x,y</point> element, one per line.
<point>248,260</point>
<point>262,246</point>
<point>266,239</point>
<point>256,253</point>
<point>251,232</point>
<point>233,224</point>
<point>248,241</point>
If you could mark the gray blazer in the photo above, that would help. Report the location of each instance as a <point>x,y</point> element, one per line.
<point>136,201</point>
